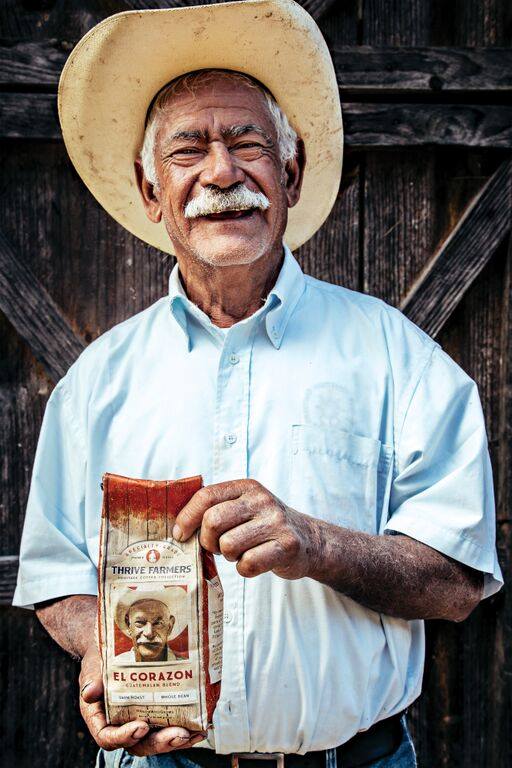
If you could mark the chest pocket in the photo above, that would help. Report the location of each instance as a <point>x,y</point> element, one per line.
<point>340,477</point>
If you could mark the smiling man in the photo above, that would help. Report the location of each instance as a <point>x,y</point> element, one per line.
<point>348,489</point>
<point>148,623</point>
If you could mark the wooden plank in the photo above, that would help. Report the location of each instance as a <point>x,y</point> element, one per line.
<point>332,253</point>
<point>372,69</point>
<point>421,125</point>
<point>8,573</point>
<point>42,701</point>
<point>399,221</point>
<point>33,116</point>
<point>445,279</point>
<point>317,8</point>
<point>400,22</point>
<point>499,711</point>
<point>361,69</point>
<point>29,116</point>
<point>34,314</point>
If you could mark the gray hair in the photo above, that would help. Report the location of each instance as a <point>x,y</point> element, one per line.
<point>286,136</point>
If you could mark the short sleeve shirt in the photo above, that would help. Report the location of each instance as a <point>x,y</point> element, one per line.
<point>341,407</point>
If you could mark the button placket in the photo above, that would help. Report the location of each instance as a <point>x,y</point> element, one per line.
<point>230,463</point>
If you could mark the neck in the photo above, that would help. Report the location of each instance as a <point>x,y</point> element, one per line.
<point>230,294</point>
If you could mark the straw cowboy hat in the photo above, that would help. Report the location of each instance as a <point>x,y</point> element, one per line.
<point>174,597</point>
<point>113,73</point>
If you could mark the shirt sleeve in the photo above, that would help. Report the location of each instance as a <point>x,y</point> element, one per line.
<point>442,493</point>
<point>53,554</point>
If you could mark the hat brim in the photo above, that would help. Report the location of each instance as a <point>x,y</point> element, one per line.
<point>174,597</point>
<point>116,69</point>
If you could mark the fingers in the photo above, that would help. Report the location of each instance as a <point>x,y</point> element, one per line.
<point>221,518</point>
<point>191,516</point>
<point>90,680</point>
<point>242,538</point>
<point>166,740</point>
<point>261,559</point>
<point>111,736</point>
<point>92,691</point>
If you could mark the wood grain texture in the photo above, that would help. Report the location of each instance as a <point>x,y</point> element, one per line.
<point>332,254</point>
<point>32,64</point>
<point>34,116</point>
<point>8,573</point>
<point>35,315</point>
<point>423,125</point>
<point>433,297</point>
<point>366,69</point>
<point>362,69</point>
<point>43,699</point>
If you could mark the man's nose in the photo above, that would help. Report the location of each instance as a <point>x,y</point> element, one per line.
<point>148,630</point>
<point>220,169</point>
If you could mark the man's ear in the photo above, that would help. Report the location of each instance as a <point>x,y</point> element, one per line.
<point>294,174</point>
<point>147,192</point>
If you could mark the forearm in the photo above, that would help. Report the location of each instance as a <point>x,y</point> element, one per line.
<point>395,575</point>
<point>71,622</point>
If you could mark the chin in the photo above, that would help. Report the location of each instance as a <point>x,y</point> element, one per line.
<point>230,252</point>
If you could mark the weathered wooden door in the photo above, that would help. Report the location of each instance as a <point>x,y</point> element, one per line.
<point>422,220</point>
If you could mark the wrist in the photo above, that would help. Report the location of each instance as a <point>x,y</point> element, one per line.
<point>315,545</point>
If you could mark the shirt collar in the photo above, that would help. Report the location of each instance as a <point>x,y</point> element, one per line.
<point>277,310</point>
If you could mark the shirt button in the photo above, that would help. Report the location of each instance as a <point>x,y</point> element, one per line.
<point>230,439</point>
<point>234,359</point>
<point>228,617</point>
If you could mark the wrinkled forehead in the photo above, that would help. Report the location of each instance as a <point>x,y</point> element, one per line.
<point>149,608</point>
<point>226,83</point>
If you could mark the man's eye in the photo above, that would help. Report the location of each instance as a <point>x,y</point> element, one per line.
<point>187,151</point>
<point>248,145</point>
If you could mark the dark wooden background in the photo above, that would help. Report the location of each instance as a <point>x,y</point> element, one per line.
<point>426,87</point>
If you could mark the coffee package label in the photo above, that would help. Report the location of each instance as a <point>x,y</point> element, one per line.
<point>160,608</point>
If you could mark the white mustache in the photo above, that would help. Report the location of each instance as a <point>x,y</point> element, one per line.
<point>239,198</point>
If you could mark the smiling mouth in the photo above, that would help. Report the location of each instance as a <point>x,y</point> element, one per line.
<point>230,215</point>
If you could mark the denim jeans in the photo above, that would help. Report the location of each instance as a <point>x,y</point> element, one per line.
<point>403,757</point>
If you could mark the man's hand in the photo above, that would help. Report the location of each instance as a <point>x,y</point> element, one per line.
<point>246,523</point>
<point>135,736</point>
<point>395,575</point>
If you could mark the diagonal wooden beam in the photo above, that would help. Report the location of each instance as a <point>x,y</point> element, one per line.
<point>317,8</point>
<point>465,252</point>
<point>34,314</point>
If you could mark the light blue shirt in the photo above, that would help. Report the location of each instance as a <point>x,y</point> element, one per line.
<point>341,407</point>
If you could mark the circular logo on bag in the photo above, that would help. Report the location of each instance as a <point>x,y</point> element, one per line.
<point>152,555</point>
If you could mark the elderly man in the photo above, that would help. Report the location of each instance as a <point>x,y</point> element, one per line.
<point>148,622</point>
<point>320,418</point>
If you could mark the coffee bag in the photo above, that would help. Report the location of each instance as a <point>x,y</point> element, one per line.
<point>160,608</point>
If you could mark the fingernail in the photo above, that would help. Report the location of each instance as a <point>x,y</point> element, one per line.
<point>140,732</point>
<point>177,533</point>
<point>186,737</point>
<point>86,685</point>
